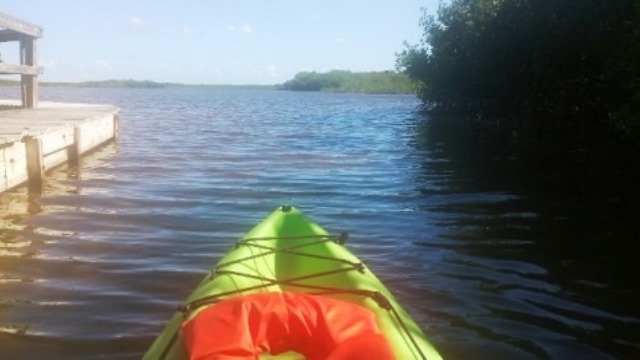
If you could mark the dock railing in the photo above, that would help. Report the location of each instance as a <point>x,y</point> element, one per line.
<point>13,29</point>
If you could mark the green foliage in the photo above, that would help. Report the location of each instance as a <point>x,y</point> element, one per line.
<point>568,67</point>
<point>382,82</point>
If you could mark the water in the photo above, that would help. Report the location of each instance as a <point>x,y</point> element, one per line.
<point>492,258</point>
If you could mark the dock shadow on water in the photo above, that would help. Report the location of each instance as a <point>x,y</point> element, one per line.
<point>540,257</point>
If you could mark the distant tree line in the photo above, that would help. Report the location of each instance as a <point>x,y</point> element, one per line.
<point>139,84</point>
<point>5,82</point>
<point>381,82</point>
<point>113,83</point>
<point>98,83</point>
<point>545,68</point>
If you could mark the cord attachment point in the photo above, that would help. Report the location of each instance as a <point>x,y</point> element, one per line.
<point>382,300</point>
<point>213,273</point>
<point>342,238</point>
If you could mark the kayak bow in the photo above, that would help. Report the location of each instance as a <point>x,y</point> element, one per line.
<point>290,290</point>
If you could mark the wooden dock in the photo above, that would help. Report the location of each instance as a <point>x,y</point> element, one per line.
<point>36,137</point>
<point>34,141</point>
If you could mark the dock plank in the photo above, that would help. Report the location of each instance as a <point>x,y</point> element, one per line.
<point>47,117</point>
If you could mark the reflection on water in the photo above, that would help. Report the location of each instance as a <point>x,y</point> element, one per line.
<point>494,258</point>
<point>542,257</point>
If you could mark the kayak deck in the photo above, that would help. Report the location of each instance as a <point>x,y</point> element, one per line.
<point>287,252</point>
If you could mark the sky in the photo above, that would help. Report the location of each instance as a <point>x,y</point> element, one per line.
<point>214,41</point>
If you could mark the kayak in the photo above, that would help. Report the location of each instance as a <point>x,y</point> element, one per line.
<point>290,290</point>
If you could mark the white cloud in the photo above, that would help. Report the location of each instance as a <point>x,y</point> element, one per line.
<point>102,65</point>
<point>137,22</point>
<point>48,63</point>
<point>245,29</point>
<point>272,71</point>
<point>267,71</point>
<point>169,66</point>
<point>187,30</point>
<point>342,41</point>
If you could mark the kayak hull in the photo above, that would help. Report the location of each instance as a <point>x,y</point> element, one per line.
<point>287,252</point>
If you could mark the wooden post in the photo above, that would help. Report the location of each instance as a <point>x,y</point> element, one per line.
<point>29,81</point>
<point>73,151</point>
<point>116,126</point>
<point>35,166</point>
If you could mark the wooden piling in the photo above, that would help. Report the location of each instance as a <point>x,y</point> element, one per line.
<point>29,81</point>
<point>73,150</point>
<point>35,168</point>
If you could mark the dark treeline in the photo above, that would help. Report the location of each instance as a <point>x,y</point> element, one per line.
<point>375,82</point>
<point>561,72</point>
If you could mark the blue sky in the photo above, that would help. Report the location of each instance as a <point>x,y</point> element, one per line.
<point>215,42</point>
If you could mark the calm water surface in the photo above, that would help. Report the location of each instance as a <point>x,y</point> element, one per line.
<point>493,259</point>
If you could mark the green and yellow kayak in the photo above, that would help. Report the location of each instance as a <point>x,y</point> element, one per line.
<point>289,289</point>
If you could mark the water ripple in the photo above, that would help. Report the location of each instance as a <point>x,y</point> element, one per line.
<point>94,267</point>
